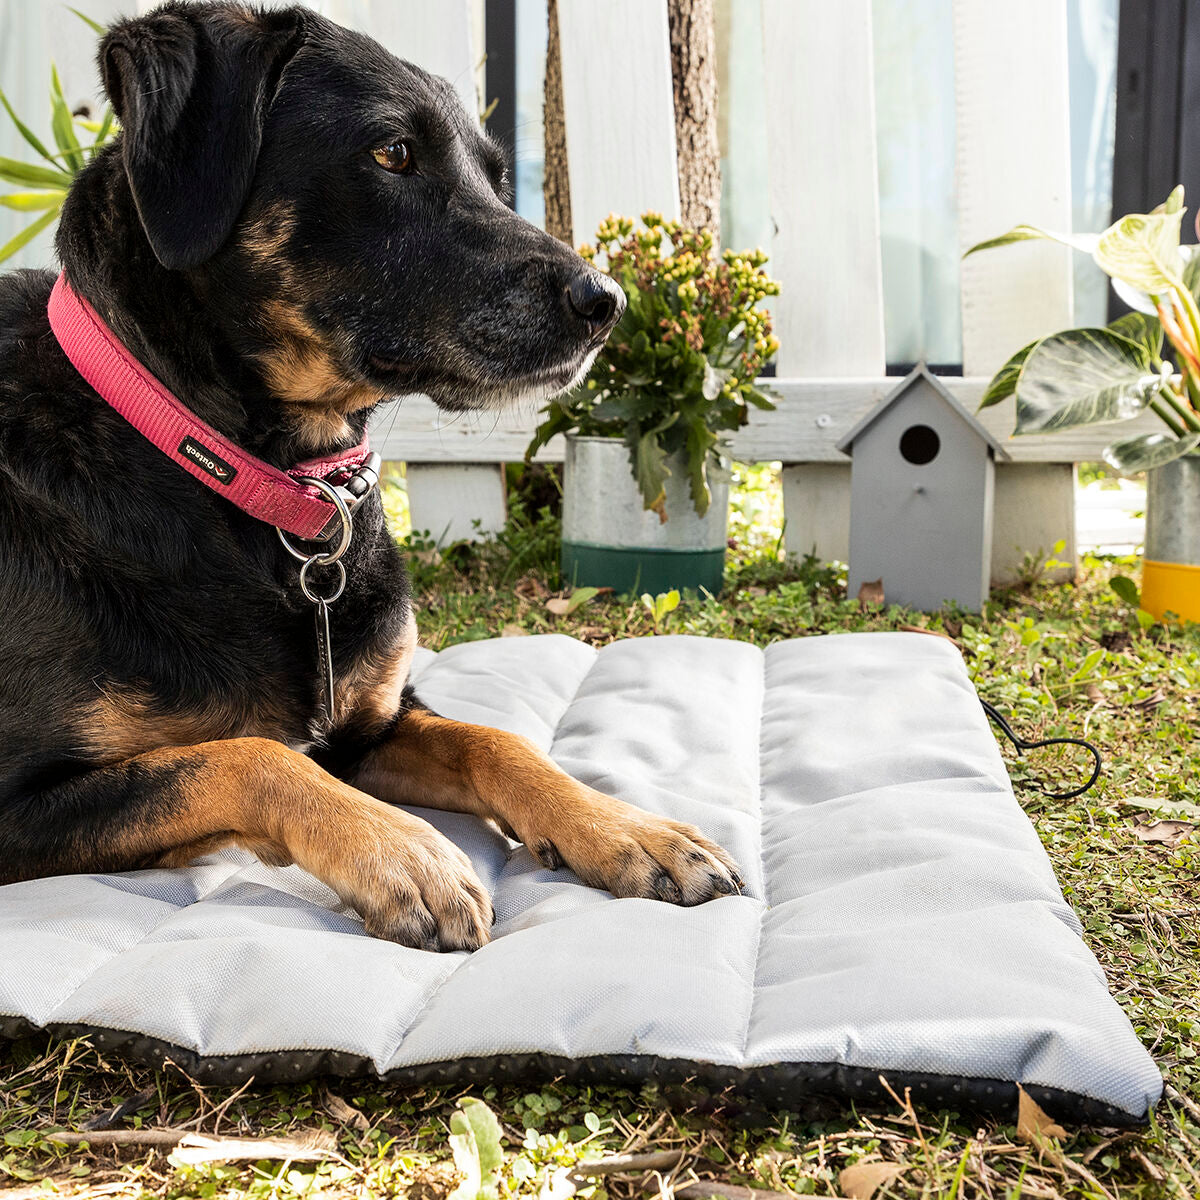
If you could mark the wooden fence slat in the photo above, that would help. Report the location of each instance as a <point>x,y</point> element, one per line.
<point>455,501</point>
<point>819,76</point>
<point>465,498</point>
<point>440,38</point>
<point>813,415</point>
<point>1014,165</point>
<point>619,108</point>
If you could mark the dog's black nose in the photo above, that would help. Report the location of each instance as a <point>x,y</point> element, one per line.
<point>597,300</point>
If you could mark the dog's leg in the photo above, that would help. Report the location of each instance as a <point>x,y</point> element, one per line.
<point>166,807</point>
<point>431,761</point>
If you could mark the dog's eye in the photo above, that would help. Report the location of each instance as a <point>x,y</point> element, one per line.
<point>395,157</point>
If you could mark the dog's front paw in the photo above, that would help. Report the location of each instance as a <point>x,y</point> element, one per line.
<point>414,886</point>
<point>612,845</point>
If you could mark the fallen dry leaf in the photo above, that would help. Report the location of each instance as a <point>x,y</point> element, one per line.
<point>863,1180</point>
<point>559,605</point>
<point>345,1113</point>
<point>931,632</point>
<point>511,630</point>
<point>871,592</point>
<point>1165,833</point>
<point>1032,1123</point>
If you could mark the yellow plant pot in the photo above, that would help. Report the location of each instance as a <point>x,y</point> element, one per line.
<point>1171,568</point>
<point>1171,587</point>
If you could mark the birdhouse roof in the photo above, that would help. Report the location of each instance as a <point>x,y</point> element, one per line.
<point>896,395</point>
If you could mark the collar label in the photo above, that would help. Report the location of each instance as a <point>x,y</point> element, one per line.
<point>212,464</point>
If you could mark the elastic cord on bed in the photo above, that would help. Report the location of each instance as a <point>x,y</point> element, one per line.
<point>1022,745</point>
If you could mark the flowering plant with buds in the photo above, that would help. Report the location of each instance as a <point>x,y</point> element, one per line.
<point>680,368</point>
<point>1148,358</point>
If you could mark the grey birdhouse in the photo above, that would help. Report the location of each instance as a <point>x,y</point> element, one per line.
<point>921,493</point>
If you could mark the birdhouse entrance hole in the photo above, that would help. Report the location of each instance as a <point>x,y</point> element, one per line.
<point>919,444</point>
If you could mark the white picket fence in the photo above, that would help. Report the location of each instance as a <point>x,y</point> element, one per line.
<point>1013,164</point>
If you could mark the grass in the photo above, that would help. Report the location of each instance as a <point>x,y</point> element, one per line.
<point>1060,659</point>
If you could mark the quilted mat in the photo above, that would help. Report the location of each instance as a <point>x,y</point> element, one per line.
<point>900,917</point>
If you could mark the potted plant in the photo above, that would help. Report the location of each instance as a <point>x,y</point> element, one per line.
<point>43,185</point>
<point>1147,359</point>
<point>646,489</point>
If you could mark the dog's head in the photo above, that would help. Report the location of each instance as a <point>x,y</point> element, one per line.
<point>342,216</point>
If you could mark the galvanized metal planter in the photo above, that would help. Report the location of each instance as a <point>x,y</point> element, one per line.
<point>610,540</point>
<point>1171,568</point>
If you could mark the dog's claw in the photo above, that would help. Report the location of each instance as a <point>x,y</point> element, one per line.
<point>546,852</point>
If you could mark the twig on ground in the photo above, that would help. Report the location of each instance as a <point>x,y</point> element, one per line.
<point>196,1148</point>
<point>629,1164</point>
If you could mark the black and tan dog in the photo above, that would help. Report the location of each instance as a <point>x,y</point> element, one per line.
<point>292,226</point>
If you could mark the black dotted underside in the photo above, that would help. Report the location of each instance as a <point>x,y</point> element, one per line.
<point>813,1090</point>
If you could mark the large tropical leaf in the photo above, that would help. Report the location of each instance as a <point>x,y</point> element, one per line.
<point>1083,377</point>
<point>1004,382</point>
<point>1138,327</point>
<point>24,174</point>
<point>1149,450</point>
<point>1085,242</point>
<point>28,234</point>
<point>1142,249</point>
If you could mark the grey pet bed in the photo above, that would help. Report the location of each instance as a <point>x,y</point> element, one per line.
<point>901,916</point>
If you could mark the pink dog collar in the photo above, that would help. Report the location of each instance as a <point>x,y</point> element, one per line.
<point>256,487</point>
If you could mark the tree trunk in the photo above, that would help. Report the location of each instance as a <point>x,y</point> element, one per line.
<point>694,73</point>
<point>556,181</point>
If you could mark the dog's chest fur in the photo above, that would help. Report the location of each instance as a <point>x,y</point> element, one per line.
<point>151,611</point>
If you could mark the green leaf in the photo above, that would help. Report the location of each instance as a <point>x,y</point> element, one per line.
<point>475,1142</point>
<point>659,606</point>
<point>1138,327</point>
<point>1004,382</point>
<point>579,597</point>
<point>1174,202</point>
<point>759,399</point>
<point>1149,450</point>
<point>28,234</point>
<point>105,126</point>
<point>24,130</point>
<point>12,171</point>
<point>1126,590</point>
<point>100,29</point>
<point>1085,242</point>
<point>63,124</point>
<point>651,471</point>
<point>700,440</point>
<point>32,201</point>
<point>1083,377</point>
<point>1088,665</point>
<point>1142,250</point>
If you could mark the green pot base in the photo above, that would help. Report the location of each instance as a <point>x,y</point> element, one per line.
<point>632,569</point>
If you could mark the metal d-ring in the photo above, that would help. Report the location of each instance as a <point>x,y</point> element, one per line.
<point>310,595</point>
<point>323,557</point>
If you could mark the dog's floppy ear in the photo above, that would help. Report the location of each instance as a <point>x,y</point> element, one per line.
<point>191,86</point>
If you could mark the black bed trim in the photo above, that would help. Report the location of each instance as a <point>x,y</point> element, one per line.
<point>811,1089</point>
